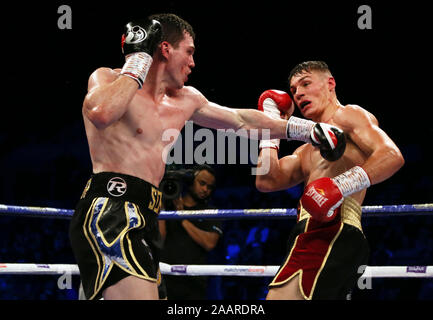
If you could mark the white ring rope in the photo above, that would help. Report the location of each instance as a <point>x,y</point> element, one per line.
<point>215,270</point>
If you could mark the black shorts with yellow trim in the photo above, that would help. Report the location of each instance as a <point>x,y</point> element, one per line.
<point>326,256</point>
<point>114,231</point>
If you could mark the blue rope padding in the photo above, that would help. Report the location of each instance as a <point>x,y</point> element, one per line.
<point>37,212</point>
<point>40,212</point>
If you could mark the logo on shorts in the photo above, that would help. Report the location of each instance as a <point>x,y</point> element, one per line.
<point>116,187</point>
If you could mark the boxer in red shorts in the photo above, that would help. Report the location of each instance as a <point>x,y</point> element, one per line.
<point>327,244</point>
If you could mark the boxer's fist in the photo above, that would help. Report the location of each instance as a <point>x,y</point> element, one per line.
<point>138,44</point>
<point>329,139</point>
<point>321,198</point>
<point>275,103</point>
<point>141,36</point>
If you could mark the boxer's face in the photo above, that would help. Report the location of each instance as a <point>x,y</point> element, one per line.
<point>181,61</point>
<point>312,92</point>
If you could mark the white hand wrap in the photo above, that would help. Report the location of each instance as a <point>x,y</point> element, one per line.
<point>299,129</point>
<point>273,143</point>
<point>270,108</point>
<point>137,66</point>
<point>351,181</point>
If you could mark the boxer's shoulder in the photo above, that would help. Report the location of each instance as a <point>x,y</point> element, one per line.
<point>191,95</point>
<point>303,151</point>
<point>191,92</point>
<point>103,75</point>
<point>106,71</point>
<point>352,115</point>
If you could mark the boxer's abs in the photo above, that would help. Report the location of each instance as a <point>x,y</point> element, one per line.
<point>133,154</point>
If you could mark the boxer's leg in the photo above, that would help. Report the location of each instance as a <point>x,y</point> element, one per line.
<point>288,291</point>
<point>131,288</point>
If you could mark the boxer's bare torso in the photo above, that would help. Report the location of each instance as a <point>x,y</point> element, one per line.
<point>313,166</point>
<point>134,144</point>
<point>365,141</point>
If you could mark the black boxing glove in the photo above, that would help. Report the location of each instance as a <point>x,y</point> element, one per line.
<point>329,139</point>
<point>138,45</point>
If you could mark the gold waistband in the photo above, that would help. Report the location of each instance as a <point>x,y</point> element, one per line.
<point>350,213</point>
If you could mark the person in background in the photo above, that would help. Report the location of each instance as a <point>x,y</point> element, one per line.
<point>189,241</point>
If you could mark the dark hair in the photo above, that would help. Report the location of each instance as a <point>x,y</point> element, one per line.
<point>308,66</point>
<point>173,27</point>
<point>202,167</point>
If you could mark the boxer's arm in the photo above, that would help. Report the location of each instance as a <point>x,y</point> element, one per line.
<point>108,96</point>
<point>212,115</point>
<point>384,157</point>
<point>283,173</point>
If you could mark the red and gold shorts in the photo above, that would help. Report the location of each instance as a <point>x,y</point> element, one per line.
<point>326,256</point>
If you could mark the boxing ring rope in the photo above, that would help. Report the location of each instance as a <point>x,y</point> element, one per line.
<point>43,212</point>
<point>218,270</point>
<point>215,270</point>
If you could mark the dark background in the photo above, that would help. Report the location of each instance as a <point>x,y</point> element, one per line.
<point>242,49</point>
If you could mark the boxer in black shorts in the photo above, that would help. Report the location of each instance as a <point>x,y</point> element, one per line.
<point>114,231</point>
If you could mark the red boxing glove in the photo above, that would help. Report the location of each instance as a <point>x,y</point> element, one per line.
<point>323,196</point>
<point>275,103</point>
